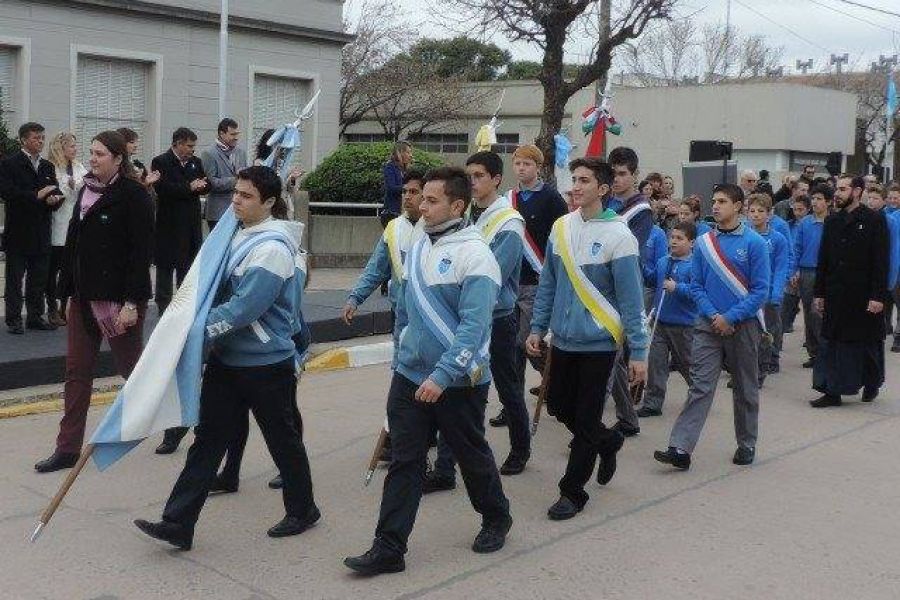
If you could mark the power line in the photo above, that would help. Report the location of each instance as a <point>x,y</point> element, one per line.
<point>788,29</point>
<point>852,16</point>
<point>866,6</point>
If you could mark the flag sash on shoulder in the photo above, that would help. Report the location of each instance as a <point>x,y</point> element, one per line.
<point>725,270</point>
<point>438,316</point>
<point>493,225</point>
<point>532,252</point>
<point>392,239</point>
<point>602,311</point>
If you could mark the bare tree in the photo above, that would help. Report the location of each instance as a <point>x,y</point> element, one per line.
<point>728,54</point>
<point>549,24</point>
<point>666,55</point>
<point>382,31</point>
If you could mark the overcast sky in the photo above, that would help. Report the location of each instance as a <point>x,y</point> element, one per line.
<point>810,28</point>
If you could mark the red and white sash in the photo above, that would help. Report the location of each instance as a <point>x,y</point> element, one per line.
<point>709,246</point>
<point>532,252</point>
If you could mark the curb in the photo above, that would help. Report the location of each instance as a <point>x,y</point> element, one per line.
<point>46,406</point>
<point>350,357</point>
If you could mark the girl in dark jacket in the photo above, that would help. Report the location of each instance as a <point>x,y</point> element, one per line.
<point>106,272</point>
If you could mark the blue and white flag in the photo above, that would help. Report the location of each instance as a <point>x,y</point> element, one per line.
<point>164,388</point>
<point>890,106</point>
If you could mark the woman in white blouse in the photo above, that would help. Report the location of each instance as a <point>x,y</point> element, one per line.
<point>70,175</point>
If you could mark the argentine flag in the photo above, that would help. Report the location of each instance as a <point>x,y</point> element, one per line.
<point>164,388</point>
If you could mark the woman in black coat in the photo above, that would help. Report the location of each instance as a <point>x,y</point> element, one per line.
<point>106,272</point>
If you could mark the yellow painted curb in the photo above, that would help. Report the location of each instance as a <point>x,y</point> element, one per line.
<point>45,406</point>
<point>330,360</point>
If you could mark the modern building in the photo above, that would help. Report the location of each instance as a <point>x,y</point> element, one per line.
<point>90,65</point>
<point>774,126</point>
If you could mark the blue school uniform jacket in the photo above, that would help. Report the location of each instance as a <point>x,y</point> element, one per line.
<point>657,247</point>
<point>779,264</point>
<point>679,307</point>
<point>782,227</point>
<point>807,239</point>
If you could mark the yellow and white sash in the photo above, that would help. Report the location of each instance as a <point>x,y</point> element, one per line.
<point>398,241</point>
<point>496,221</point>
<point>603,312</point>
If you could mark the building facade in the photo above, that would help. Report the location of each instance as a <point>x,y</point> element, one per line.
<point>90,65</point>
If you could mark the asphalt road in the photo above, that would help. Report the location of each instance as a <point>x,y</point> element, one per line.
<point>815,517</point>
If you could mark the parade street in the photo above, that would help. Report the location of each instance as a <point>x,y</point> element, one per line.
<point>814,517</point>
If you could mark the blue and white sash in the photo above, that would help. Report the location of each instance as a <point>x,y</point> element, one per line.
<point>440,317</point>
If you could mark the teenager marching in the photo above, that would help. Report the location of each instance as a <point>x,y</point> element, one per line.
<point>591,297</point>
<point>502,227</point>
<point>444,309</point>
<point>807,236</point>
<point>676,315</point>
<point>730,284</point>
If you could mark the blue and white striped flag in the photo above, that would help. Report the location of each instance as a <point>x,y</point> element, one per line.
<point>164,388</point>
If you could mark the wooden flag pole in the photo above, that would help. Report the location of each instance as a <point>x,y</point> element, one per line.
<point>63,490</point>
<point>542,396</point>
<point>376,455</point>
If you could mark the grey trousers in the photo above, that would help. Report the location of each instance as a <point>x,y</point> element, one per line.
<point>812,320</point>
<point>709,350</point>
<point>769,353</point>
<point>790,306</point>
<point>668,340</point>
<point>621,392</point>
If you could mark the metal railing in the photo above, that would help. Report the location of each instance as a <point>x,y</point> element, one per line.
<point>353,206</point>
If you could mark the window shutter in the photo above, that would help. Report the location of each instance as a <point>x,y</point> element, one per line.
<point>275,102</point>
<point>8,78</point>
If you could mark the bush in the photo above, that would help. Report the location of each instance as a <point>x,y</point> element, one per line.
<point>352,173</point>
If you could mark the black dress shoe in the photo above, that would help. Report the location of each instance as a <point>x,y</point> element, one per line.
<point>607,467</point>
<point>492,536</point>
<point>499,420</point>
<point>376,561</point>
<point>535,391</point>
<point>40,325</point>
<point>437,483</point>
<point>167,447</point>
<point>276,483</point>
<point>869,394</point>
<point>563,509</point>
<point>744,456</point>
<point>626,429</point>
<point>16,328</point>
<point>57,461</point>
<point>646,411</point>
<point>672,457</point>
<point>167,532</point>
<point>295,525</point>
<point>171,438</point>
<point>825,401</point>
<point>514,463</point>
<point>221,486</point>
<point>895,347</point>
<point>810,363</point>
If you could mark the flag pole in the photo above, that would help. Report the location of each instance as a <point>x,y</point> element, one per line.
<point>63,490</point>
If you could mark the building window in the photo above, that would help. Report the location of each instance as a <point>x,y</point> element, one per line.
<point>366,138</point>
<point>506,143</point>
<point>276,101</point>
<point>8,57</point>
<point>110,93</point>
<point>442,143</point>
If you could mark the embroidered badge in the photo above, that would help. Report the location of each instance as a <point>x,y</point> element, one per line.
<point>595,248</point>
<point>444,266</point>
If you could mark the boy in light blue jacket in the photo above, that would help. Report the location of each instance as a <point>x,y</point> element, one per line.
<point>590,296</point>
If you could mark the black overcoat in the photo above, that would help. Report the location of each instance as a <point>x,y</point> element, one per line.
<point>178,229</point>
<point>27,229</point>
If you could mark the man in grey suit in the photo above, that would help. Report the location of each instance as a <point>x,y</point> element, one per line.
<point>222,161</point>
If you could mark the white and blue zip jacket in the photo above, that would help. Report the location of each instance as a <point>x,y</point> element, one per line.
<point>507,245</point>
<point>460,268</point>
<point>380,267</point>
<point>746,250</point>
<point>779,264</point>
<point>679,307</point>
<point>257,311</point>
<point>607,252</point>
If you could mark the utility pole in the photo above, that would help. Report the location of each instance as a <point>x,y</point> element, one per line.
<point>728,20</point>
<point>223,57</point>
<point>804,66</point>
<point>839,61</point>
<point>605,11</point>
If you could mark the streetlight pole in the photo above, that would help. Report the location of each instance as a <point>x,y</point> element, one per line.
<point>223,56</point>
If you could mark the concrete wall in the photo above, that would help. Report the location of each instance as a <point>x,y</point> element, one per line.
<point>342,240</point>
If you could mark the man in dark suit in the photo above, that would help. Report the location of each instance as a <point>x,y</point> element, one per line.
<point>30,191</point>
<point>178,228</point>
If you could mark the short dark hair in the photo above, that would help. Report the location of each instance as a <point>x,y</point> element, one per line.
<point>414,174</point>
<point>858,182</point>
<point>797,182</point>
<point>129,134</point>
<point>30,127</point>
<point>226,124</point>
<point>268,184</point>
<point>653,177</point>
<point>804,200</point>
<point>491,162</point>
<point>183,134</point>
<point>764,174</point>
<point>456,183</point>
<point>600,168</point>
<point>764,187</point>
<point>624,156</point>
<point>686,227</point>
<point>825,190</point>
<point>733,191</point>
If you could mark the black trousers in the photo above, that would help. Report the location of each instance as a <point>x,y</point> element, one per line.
<point>33,269</point>
<point>227,393</point>
<point>164,282</point>
<point>459,417</point>
<point>576,395</point>
<point>511,389</point>
<point>55,302</point>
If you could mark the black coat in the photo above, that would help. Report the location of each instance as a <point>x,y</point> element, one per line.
<point>178,230</point>
<point>853,269</point>
<point>27,228</point>
<point>108,252</point>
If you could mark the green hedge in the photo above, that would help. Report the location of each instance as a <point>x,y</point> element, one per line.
<point>352,173</point>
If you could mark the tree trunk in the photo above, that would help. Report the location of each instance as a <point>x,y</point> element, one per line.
<point>555,98</point>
